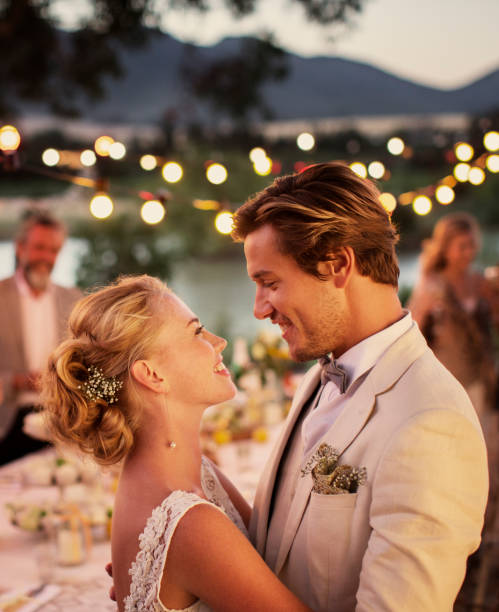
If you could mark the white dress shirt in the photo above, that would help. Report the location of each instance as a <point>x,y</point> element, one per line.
<point>356,362</point>
<point>38,319</point>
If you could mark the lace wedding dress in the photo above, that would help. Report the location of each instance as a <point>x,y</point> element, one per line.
<point>154,541</point>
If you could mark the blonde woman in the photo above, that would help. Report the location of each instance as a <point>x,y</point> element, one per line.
<point>130,385</point>
<point>453,303</point>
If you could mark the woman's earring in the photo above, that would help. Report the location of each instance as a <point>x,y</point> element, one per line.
<point>172,444</point>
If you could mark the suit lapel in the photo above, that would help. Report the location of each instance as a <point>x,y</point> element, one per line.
<point>12,306</point>
<point>359,407</point>
<point>263,497</point>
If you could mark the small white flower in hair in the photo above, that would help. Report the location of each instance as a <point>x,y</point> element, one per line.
<point>101,387</point>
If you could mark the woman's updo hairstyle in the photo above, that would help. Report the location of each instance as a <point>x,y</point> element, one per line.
<point>109,330</point>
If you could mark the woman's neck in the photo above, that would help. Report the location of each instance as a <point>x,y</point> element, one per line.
<point>166,452</point>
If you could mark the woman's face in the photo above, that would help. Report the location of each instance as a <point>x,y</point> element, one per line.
<point>461,251</point>
<point>190,358</point>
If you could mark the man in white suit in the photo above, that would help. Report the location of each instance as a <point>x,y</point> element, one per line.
<point>321,250</point>
<point>32,322</point>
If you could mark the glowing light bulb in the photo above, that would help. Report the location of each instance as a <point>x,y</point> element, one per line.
<point>376,169</point>
<point>88,158</point>
<point>461,172</point>
<point>172,172</point>
<point>216,174</point>
<point>388,201</point>
<point>476,176</point>
<point>102,145</point>
<point>395,145</point>
<point>10,139</point>
<point>101,206</point>
<point>491,141</point>
<point>257,153</point>
<point>148,162</point>
<point>117,150</point>
<point>51,157</point>
<point>492,163</point>
<point>224,222</point>
<point>444,194</point>
<point>263,166</point>
<point>359,169</point>
<point>305,141</point>
<point>421,205</point>
<point>464,152</point>
<point>152,212</point>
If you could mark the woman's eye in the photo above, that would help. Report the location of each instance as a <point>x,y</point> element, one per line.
<point>199,330</point>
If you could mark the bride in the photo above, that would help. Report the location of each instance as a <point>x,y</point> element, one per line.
<point>130,385</point>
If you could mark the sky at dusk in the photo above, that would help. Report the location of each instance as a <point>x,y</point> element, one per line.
<point>441,43</point>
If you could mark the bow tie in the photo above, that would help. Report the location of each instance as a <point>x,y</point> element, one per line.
<point>331,372</point>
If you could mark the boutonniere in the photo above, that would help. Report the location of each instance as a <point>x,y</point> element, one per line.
<point>329,477</point>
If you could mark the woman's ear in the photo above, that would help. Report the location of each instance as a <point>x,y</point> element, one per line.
<point>144,373</point>
<point>339,266</point>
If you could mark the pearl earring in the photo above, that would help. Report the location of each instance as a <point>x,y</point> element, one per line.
<point>172,444</point>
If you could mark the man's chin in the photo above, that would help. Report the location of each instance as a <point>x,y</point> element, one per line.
<point>37,281</point>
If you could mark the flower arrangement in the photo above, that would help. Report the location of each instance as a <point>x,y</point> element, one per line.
<point>329,477</point>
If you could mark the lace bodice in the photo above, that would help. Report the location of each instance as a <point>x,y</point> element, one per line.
<point>154,541</point>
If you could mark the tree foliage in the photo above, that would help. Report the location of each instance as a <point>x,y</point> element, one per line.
<point>44,65</point>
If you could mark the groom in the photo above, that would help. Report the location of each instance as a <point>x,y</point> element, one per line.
<point>321,250</point>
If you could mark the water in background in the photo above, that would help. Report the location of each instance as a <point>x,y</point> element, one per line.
<point>220,293</point>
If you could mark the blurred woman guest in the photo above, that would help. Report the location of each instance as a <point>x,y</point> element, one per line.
<point>130,386</point>
<point>453,306</point>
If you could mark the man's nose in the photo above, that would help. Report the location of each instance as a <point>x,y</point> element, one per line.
<point>262,308</point>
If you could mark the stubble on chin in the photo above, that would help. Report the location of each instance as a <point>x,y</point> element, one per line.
<point>38,280</point>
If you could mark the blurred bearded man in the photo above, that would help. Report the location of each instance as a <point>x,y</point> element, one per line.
<point>32,322</point>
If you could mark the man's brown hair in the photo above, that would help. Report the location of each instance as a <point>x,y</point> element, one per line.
<point>323,208</point>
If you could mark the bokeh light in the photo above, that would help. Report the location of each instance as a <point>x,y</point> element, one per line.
<point>102,145</point>
<point>51,157</point>
<point>172,172</point>
<point>444,194</point>
<point>492,163</point>
<point>395,145</point>
<point>262,166</point>
<point>257,153</point>
<point>148,162</point>
<point>359,169</point>
<point>376,169</point>
<point>476,176</point>
<point>491,141</point>
<point>101,206</point>
<point>216,174</point>
<point>88,158</point>
<point>461,172</point>
<point>10,139</point>
<point>152,212</point>
<point>388,201</point>
<point>117,150</point>
<point>224,222</point>
<point>464,151</point>
<point>421,205</point>
<point>305,141</point>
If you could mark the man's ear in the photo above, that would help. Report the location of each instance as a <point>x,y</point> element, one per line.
<point>339,266</point>
<point>144,373</point>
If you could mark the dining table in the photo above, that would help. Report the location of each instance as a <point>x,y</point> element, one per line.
<point>28,558</point>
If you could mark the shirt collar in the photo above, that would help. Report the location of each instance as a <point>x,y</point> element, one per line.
<point>362,357</point>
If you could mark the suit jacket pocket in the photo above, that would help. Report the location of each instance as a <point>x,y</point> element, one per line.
<point>329,520</point>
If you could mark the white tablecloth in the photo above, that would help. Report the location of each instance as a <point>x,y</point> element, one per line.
<point>85,587</point>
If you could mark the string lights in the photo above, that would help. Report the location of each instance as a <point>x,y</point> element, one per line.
<point>466,168</point>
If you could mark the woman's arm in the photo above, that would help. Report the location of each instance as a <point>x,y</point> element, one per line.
<point>236,498</point>
<point>211,559</point>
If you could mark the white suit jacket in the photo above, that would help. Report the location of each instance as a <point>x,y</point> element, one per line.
<point>12,358</point>
<point>401,542</point>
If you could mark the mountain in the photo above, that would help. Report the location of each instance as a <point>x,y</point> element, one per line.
<point>315,87</point>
